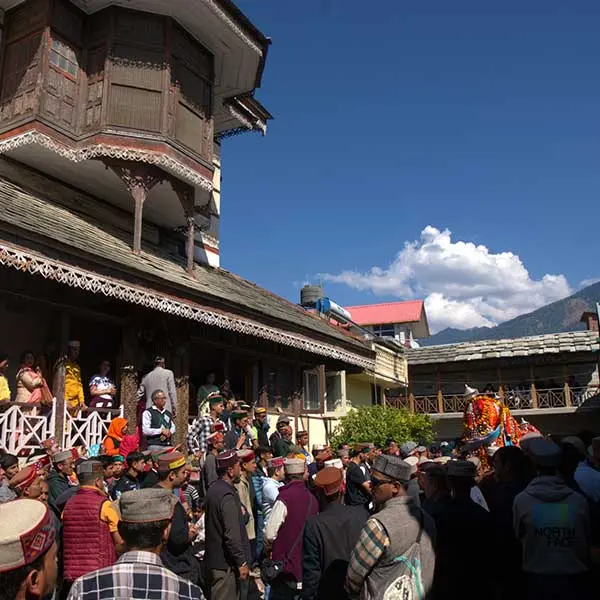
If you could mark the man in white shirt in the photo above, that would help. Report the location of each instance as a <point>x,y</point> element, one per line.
<point>157,423</point>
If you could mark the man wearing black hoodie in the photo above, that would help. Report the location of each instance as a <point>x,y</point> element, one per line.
<point>552,522</point>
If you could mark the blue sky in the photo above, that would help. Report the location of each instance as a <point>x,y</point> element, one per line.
<point>394,118</point>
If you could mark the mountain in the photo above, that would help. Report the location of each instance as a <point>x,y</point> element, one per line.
<point>563,315</point>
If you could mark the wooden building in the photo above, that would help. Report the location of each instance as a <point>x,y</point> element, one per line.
<point>110,123</point>
<point>550,380</point>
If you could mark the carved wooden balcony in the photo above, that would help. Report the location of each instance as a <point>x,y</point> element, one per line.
<point>117,83</point>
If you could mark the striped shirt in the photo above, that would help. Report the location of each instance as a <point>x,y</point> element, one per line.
<point>136,575</point>
<point>369,549</point>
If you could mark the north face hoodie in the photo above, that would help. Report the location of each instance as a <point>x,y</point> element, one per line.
<point>552,522</point>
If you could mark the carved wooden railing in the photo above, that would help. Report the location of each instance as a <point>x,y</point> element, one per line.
<point>551,398</point>
<point>88,428</point>
<point>23,426</point>
<point>546,398</point>
<point>454,403</point>
<point>426,404</point>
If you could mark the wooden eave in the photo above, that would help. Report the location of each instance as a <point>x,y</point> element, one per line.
<point>49,237</point>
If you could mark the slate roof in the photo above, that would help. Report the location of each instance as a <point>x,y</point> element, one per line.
<point>27,211</point>
<point>555,343</point>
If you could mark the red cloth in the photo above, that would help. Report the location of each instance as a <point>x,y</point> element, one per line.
<point>87,542</point>
<point>130,443</point>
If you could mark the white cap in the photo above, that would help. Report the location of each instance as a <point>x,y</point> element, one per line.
<point>27,532</point>
<point>334,462</point>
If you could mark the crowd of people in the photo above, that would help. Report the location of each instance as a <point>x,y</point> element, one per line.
<point>255,513</point>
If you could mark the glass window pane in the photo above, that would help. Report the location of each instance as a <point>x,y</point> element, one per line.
<point>334,391</point>
<point>311,391</point>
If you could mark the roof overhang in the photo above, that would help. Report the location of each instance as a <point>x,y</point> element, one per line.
<point>245,114</point>
<point>42,265</point>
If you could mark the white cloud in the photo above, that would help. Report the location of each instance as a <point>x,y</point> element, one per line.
<point>464,285</point>
<point>589,281</point>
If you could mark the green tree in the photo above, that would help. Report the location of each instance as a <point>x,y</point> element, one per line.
<point>377,423</point>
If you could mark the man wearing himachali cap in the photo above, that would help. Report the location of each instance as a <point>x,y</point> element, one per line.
<point>28,566</point>
<point>227,549</point>
<point>204,425</point>
<point>139,573</point>
<point>390,533</point>
<point>59,478</point>
<point>285,527</point>
<point>178,553</point>
<point>329,539</point>
<point>215,443</point>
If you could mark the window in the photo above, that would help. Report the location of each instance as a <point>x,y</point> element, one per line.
<point>312,397</point>
<point>64,58</point>
<point>333,382</point>
<point>387,330</point>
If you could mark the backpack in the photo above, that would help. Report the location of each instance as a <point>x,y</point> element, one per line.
<point>405,581</point>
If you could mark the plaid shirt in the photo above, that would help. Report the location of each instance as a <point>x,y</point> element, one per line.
<point>135,575</point>
<point>369,549</point>
<point>200,429</point>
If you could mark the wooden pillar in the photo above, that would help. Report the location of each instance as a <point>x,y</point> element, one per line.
<point>182,389</point>
<point>185,193</point>
<point>58,379</point>
<point>139,179</point>
<point>567,387</point>
<point>191,243</point>
<point>534,398</point>
<point>440,394</point>
<point>322,388</point>
<point>411,399</point>
<point>139,196</point>
<point>128,375</point>
<point>129,399</point>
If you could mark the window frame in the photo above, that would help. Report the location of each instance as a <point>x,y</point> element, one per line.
<point>71,47</point>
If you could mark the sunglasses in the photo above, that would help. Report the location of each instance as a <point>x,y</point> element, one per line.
<point>375,482</point>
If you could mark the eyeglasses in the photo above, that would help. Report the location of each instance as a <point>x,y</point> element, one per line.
<point>377,482</point>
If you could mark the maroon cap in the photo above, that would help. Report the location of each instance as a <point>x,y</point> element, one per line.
<point>246,455</point>
<point>227,459</point>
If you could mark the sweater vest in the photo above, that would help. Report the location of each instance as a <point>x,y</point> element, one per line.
<point>300,504</point>
<point>157,421</point>
<point>87,542</point>
<point>402,521</point>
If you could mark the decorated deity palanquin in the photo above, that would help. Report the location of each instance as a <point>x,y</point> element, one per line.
<point>135,96</point>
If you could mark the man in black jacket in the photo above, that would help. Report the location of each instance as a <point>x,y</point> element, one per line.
<point>178,554</point>
<point>227,548</point>
<point>329,539</point>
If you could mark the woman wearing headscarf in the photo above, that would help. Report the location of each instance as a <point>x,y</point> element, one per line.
<point>116,432</point>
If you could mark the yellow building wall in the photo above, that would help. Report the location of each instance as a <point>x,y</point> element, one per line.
<point>358,392</point>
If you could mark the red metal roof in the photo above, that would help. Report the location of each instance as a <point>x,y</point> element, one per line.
<point>409,311</point>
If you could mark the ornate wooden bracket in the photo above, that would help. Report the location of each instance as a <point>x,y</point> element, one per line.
<point>139,179</point>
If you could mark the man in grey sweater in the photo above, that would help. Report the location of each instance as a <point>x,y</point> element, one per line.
<point>159,378</point>
<point>552,522</point>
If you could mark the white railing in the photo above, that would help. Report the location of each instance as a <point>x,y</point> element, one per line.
<point>24,428</point>
<point>88,427</point>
